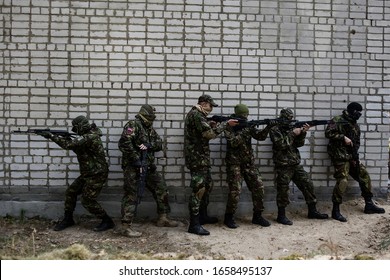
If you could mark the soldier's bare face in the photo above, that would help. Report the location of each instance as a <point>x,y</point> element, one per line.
<point>207,106</point>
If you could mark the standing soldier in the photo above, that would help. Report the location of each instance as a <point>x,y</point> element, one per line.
<point>139,138</point>
<point>240,165</point>
<point>286,141</point>
<point>93,172</point>
<point>344,143</point>
<point>197,134</point>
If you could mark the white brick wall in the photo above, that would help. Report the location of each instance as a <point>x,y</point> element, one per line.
<point>104,59</point>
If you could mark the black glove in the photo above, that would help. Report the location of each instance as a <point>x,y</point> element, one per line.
<point>272,122</point>
<point>148,145</point>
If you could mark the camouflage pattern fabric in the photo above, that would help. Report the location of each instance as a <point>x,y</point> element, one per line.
<point>341,172</point>
<point>240,166</point>
<point>285,145</point>
<point>341,156</point>
<point>235,175</point>
<point>201,185</point>
<point>89,150</point>
<point>135,133</point>
<point>197,134</point>
<point>335,132</point>
<point>287,160</point>
<point>239,146</point>
<point>154,183</point>
<point>296,174</point>
<point>89,188</point>
<point>93,170</point>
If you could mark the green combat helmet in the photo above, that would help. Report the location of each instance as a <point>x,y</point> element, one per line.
<point>81,125</point>
<point>241,110</point>
<point>286,113</point>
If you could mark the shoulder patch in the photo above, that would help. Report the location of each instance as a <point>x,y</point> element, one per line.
<point>129,130</point>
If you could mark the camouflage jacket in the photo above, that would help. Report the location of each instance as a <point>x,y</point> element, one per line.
<point>239,144</point>
<point>89,150</point>
<point>197,134</point>
<point>135,133</point>
<point>285,145</point>
<point>335,132</point>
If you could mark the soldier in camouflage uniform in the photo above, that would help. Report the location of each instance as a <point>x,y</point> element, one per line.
<point>240,165</point>
<point>344,143</point>
<point>93,172</point>
<point>286,141</point>
<point>139,136</point>
<point>197,134</point>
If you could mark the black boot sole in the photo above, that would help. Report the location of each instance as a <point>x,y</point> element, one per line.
<point>339,218</point>
<point>231,225</point>
<point>203,232</point>
<point>318,216</point>
<point>373,211</point>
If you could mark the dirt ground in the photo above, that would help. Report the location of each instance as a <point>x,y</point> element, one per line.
<point>362,237</point>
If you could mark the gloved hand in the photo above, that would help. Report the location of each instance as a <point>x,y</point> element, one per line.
<point>253,129</point>
<point>272,122</point>
<point>145,146</point>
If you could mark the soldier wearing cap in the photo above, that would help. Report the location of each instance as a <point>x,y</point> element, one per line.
<point>138,138</point>
<point>197,134</point>
<point>286,140</point>
<point>93,172</point>
<point>344,143</point>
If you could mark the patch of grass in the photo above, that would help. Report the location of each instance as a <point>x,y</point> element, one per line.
<point>385,243</point>
<point>363,257</point>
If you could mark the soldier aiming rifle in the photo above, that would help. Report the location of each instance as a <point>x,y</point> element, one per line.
<point>44,131</point>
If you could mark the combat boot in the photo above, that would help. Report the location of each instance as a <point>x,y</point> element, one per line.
<point>106,224</point>
<point>195,226</point>
<point>282,219</point>
<point>204,218</point>
<point>127,231</point>
<point>336,213</point>
<point>259,220</point>
<point>314,214</point>
<point>371,208</point>
<point>164,221</point>
<point>66,222</point>
<point>229,221</point>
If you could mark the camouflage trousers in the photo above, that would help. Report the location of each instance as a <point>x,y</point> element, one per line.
<point>89,188</point>
<point>201,185</point>
<point>251,175</point>
<point>341,172</point>
<point>153,182</point>
<point>296,174</point>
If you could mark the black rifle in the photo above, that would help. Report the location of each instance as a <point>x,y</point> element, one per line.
<point>353,149</point>
<point>295,123</point>
<point>62,133</point>
<point>242,123</point>
<point>143,170</point>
